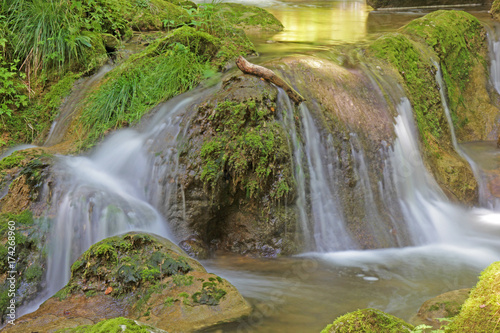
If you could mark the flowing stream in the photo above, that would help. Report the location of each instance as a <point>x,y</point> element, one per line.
<point>119,187</point>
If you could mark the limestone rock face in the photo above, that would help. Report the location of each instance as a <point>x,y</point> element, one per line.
<point>143,277</point>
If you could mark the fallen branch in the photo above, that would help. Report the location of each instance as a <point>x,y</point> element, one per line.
<point>267,74</point>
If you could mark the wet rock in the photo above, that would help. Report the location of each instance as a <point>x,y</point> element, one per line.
<point>369,321</point>
<point>438,36</point>
<point>446,305</point>
<point>152,280</point>
<point>236,185</point>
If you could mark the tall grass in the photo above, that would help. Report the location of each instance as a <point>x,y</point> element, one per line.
<point>47,34</point>
<point>132,91</point>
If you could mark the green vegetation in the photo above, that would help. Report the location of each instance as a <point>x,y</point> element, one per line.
<point>248,147</point>
<point>481,312</point>
<point>368,321</point>
<point>458,39</point>
<point>210,293</point>
<point>127,262</point>
<point>44,42</point>
<point>248,17</point>
<point>115,325</point>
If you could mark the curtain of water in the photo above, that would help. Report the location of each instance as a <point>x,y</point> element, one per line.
<point>111,192</point>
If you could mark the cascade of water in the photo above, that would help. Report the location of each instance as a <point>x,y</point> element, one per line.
<point>110,192</point>
<point>427,213</point>
<point>494,48</point>
<point>285,104</point>
<point>330,233</point>
<point>484,193</point>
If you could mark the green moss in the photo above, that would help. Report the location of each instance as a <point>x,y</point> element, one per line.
<point>211,293</point>
<point>481,312</point>
<point>33,273</point>
<point>418,74</point>
<point>150,15</point>
<point>131,262</point>
<point>115,325</point>
<point>248,149</point>
<point>368,321</point>
<point>495,9</point>
<point>250,17</point>
<point>12,160</point>
<point>458,39</point>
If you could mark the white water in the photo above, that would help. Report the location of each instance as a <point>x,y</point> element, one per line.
<point>111,192</point>
<point>329,227</point>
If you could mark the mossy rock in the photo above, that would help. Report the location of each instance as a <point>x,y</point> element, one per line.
<point>446,305</point>
<point>119,324</point>
<point>480,313</point>
<point>368,321</point>
<point>250,18</point>
<point>141,277</point>
<point>456,40</point>
<point>149,15</point>
<point>495,10</point>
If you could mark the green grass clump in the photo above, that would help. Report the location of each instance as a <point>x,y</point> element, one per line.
<point>368,321</point>
<point>250,16</point>
<point>48,34</point>
<point>131,91</point>
<point>481,312</point>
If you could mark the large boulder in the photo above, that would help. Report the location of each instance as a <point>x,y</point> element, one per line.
<point>236,177</point>
<point>446,305</point>
<point>138,276</point>
<point>456,40</point>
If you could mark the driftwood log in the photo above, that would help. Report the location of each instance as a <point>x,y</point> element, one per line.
<point>248,68</point>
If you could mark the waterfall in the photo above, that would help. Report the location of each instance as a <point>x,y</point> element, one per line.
<point>330,233</point>
<point>113,191</point>
<point>427,213</point>
<point>494,48</point>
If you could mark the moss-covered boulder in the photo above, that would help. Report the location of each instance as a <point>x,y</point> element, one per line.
<point>368,321</point>
<point>455,40</point>
<point>480,313</point>
<point>236,173</point>
<point>250,18</point>
<point>446,305</point>
<point>119,324</point>
<point>143,277</point>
